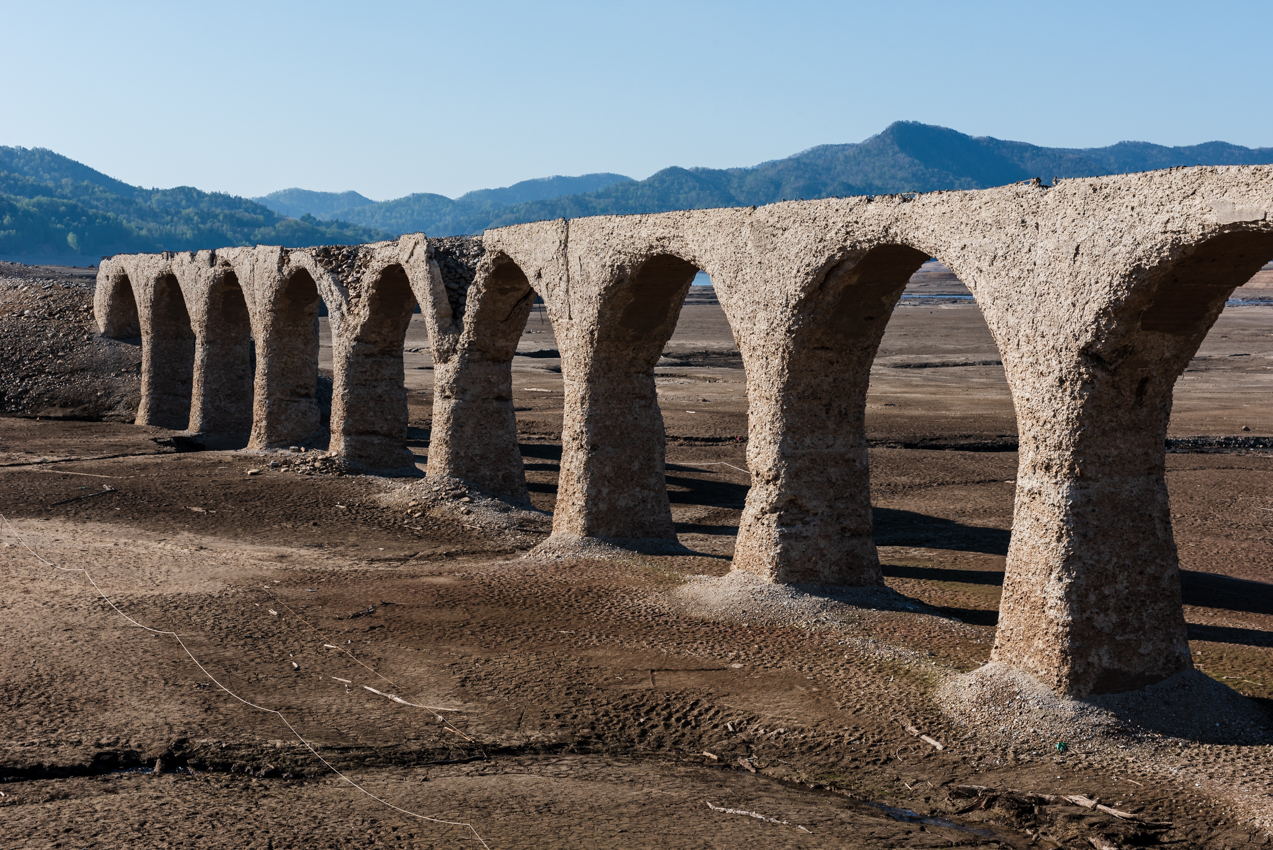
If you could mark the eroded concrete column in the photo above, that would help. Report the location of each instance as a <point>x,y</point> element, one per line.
<point>612,483</point>
<point>221,398</point>
<point>474,432</point>
<point>285,406</point>
<point>808,513</point>
<point>1091,597</point>
<point>369,401</point>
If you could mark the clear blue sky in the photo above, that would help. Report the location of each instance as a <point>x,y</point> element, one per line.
<point>389,98</point>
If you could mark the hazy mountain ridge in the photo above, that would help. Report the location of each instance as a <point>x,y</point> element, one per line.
<point>430,213</point>
<point>53,206</point>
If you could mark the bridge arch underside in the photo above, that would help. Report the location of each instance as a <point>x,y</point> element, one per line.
<point>369,397</point>
<point>613,475</point>
<point>168,358</point>
<point>224,362</point>
<point>1091,600</point>
<point>286,410</point>
<point>119,318</point>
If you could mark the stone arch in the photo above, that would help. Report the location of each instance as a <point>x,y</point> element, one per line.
<point>116,307</point>
<point>369,402</point>
<point>168,351</point>
<point>474,430</point>
<point>285,409</point>
<point>1095,607</point>
<point>808,513</point>
<point>612,425</point>
<point>221,409</point>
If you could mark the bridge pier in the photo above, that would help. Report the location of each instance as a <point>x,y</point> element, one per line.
<point>1091,598</point>
<point>808,513</point>
<point>474,431</point>
<point>612,483</point>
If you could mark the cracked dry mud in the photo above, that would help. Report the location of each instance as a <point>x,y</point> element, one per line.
<point>584,693</point>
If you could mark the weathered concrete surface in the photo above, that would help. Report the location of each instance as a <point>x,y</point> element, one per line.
<point>1097,292</point>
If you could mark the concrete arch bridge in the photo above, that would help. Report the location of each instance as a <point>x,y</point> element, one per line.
<point>1097,292</point>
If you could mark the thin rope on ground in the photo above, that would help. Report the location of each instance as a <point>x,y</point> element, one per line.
<point>248,703</point>
<point>717,463</point>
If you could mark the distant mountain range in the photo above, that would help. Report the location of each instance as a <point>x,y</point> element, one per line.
<point>51,206</point>
<point>468,213</point>
<point>906,157</point>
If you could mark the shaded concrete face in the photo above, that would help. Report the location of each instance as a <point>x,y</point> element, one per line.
<point>369,401</point>
<point>286,383</point>
<point>221,396</point>
<point>1097,292</point>
<point>168,356</point>
<point>116,307</point>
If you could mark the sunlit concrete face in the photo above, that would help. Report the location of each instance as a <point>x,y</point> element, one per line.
<point>1097,292</point>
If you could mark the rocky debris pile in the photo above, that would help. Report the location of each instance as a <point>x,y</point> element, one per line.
<point>53,361</point>
<point>303,461</point>
<point>457,258</point>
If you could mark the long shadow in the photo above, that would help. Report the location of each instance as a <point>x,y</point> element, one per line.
<point>1227,634</point>
<point>700,528</point>
<point>989,577</point>
<point>1208,590</point>
<point>907,528</point>
<point>541,451</point>
<point>716,494</point>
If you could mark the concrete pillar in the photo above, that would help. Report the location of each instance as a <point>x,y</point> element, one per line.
<point>612,482</point>
<point>285,404</point>
<point>1091,597</point>
<point>221,398</point>
<point>369,401</point>
<point>474,432</point>
<point>808,513</point>
<point>167,357</point>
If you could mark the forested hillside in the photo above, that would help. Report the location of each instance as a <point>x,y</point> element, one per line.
<point>52,206</point>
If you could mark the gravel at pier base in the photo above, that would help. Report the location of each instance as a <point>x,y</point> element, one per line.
<point>742,597</point>
<point>518,525</point>
<point>1188,727</point>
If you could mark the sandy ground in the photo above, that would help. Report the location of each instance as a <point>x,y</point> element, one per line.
<point>618,701</point>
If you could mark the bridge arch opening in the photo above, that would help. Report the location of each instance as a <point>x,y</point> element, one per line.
<point>168,361</point>
<point>225,362</point>
<point>120,319</point>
